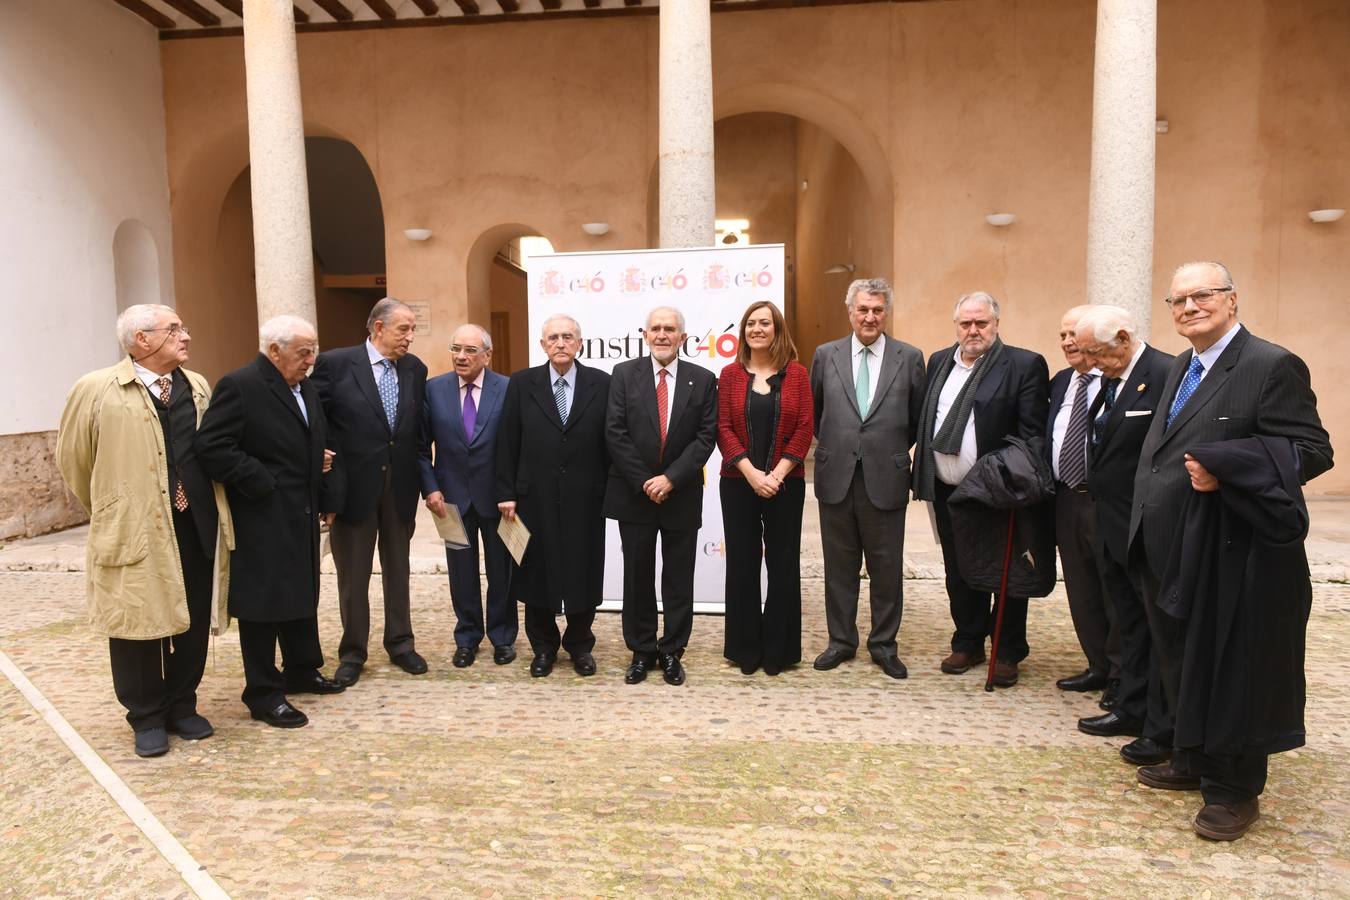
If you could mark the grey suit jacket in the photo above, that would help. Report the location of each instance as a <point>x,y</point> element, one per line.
<point>1254,388</point>
<point>882,440</point>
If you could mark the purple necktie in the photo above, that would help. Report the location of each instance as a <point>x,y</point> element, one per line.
<point>470,411</point>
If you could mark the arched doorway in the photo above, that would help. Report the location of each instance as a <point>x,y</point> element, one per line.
<point>499,290</point>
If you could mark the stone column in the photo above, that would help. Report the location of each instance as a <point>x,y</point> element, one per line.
<point>1120,198</point>
<point>686,124</point>
<point>283,253</point>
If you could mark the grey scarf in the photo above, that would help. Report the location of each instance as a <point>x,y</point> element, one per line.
<point>948,438</point>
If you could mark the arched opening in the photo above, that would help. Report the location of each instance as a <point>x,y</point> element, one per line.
<point>499,290</point>
<point>347,233</point>
<point>135,265</point>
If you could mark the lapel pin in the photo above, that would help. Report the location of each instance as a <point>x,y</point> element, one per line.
<point>1140,389</point>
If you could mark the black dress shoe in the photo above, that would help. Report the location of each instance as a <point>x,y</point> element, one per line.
<point>893,667</point>
<point>503,654</point>
<point>1110,724</point>
<point>283,715</point>
<point>191,728</point>
<point>1227,821</point>
<point>541,665</point>
<point>1145,752</point>
<point>464,657</point>
<point>410,662</point>
<point>152,741</point>
<point>637,671</point>
<point>671,669</point>
<point>1085,681</point>
<point>1110,695</point>
<point>584,664</point>
<point>315,684</point>
<point>830,658</point>
<point>1165,778</point>
<point>348,674</point>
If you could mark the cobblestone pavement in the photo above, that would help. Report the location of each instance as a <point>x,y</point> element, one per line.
<point>484,782</point>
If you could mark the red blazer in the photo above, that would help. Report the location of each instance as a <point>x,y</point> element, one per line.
<point>792,419</point>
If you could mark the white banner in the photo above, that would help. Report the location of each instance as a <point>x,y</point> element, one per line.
<point>610,294</point>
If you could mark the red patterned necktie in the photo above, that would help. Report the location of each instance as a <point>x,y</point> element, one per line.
<point>179,495</point>
<point>662,405</point>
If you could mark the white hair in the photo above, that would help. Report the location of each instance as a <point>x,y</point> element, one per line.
<point>281,330</point>
<point>1207,263</point>
<point>877,287</point>
<point>140,317</point>
<point>679,316</point>
<point>576,326</point>
<point>1104,322</point>
<point>486,338</point>
<point>975,297</point>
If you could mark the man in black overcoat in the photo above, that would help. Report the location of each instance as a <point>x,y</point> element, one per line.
<point>372,396</point>
<point>978,391</point>
<point>661,428</point>
<point>1134,374</point>
<point>1231,385</point>
<point>551,470</point>
<point>263,438</point>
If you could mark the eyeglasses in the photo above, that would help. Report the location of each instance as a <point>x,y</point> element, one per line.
<point>1200,297</point>
<point>465,350</point>
<point>175,328</point>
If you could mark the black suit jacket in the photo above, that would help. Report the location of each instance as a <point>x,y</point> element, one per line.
<point>359,430</point>
<point>634,439</point>
<point>1112,463</point>
<point>255,442</point>
<point>556,475</point>
<point>1254,388</point>
<point>1012,399</point>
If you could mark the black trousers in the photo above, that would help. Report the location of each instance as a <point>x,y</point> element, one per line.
<point>1093,614</point>
<point>972,610</point>
<point>354,545</point>
<point>1126,592</point>
<point>156,680</point>
<point>678,549</point>
<point>466,590</point>
<point>541,629</point>
<point>771,529</point>
<point>1167,638</point>
<point>301,657</point>
<point>1226,778</point>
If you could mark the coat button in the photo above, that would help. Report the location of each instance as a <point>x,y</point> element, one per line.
<point>385,468</point>
<point>307,508</point>
<point>1155,468</point>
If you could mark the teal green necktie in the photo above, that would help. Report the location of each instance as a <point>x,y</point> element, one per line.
<point>864,383</point>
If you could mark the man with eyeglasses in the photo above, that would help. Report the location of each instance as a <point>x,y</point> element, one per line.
<point>127,449</point>
<point>460,419</point>
<point>372,396</point>
<point>552,463</point>
<point>1229,642</point>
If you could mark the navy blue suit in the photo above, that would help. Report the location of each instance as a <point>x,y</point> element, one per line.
<point>463,471</point>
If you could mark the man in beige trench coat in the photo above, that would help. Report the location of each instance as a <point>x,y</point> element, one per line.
<point>157,523</point>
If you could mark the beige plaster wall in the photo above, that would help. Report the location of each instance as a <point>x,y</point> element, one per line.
<point>949,110</point>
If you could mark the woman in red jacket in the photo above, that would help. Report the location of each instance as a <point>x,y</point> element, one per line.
<point>764,420</point>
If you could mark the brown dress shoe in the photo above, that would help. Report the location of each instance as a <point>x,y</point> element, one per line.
<point>1005,673</point>
<point>960,661</point>
<point>1165,778</point>
<point>1226,821</point>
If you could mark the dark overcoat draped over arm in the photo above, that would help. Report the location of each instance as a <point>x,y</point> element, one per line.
<point>255,442</point>
<point>556,474</point>
<point>1239,575</point>
<point>359,431</point>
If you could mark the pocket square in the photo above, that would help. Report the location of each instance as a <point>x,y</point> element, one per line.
<point>1138,412</point>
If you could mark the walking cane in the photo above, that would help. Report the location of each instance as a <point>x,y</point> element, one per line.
<point>998,608</point>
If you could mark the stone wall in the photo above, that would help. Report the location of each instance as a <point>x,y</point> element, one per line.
<point>33,499</point>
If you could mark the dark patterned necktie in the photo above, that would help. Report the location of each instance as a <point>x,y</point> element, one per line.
<point>1073,451</point>
<point>1108,401</point>
<point>180,501</point>
<point>560,398</point>
<point>389,392</point>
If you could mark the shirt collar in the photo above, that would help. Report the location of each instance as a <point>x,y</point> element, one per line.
<point>570,379</point>
<point>478,382</point>
<point>1138,352</point>
<point>669,367</point>
<point>375,356</point>
<point>876,346</point>
<point>148,378</point>
<point>1211,356</point>
<point>961,363</point>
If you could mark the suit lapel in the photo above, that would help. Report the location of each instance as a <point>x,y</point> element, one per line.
<point>889,360</point>
<point>281,390</point>
<point>405,391</point>
<point>843,364</point>
<point>364,373</point>
<point>684,394</point>
<point>1209,386</point>
<point>488,399</point>
<point>646,392</point>
<point>991,382</point>
<point>1130,393</point>
<point>543,395</point>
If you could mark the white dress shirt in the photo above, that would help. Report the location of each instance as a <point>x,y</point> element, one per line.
<point>148,378</point>
<point>874,358</point>
<point>670,384</point>
<point>1065,412</point>
<point>569,386</point>
<point>952,467</point>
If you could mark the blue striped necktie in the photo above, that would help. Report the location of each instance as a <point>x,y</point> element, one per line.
<point>1188,386</point>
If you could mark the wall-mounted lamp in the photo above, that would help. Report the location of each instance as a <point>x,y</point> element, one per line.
<point>595,229</point>
<point>417,234</point>
<point>1326,215</point>
<point>840,269</point>
<point>1000,220</point>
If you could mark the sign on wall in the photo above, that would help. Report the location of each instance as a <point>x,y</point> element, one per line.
<point>610,294</point>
